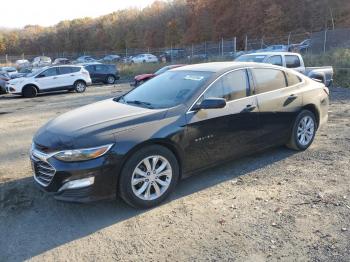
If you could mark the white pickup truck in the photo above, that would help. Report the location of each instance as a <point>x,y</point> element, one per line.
<point>293,61</point>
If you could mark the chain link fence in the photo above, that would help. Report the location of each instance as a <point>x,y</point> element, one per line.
<point>223,49</point>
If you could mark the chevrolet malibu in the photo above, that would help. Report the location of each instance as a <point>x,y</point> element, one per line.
<point>139,145</point>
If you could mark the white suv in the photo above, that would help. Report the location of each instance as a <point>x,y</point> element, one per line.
<point>50,79</point>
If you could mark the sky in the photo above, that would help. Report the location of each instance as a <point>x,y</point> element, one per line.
<point>49,12</point>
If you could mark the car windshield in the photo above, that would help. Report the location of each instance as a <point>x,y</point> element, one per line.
<point>167,90</point>
<point>162,70</point>
<point>251,58</point>
<point>35,72</point>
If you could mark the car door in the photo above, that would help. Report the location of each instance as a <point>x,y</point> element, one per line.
<point>227,132</point>
<point>100,73</point>
<point>278,104</point>
<point>48,79</point>
<point>65,76</point>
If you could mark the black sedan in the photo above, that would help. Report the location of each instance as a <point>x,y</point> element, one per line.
<point>139,145</point>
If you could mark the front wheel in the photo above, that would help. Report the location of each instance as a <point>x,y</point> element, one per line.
<point>148,177</point>
<point>79,87</point>
<point>29,91</point>
<point>304,130</point>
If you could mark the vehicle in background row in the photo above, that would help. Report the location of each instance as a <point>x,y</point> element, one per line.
<point>103,73</point>
<point>189,118</point>
<point>4,77</point>
<point>23,72</point>
<point>22,63</point>
<point>144,58</point>
<point>275,48</point>
<point>50,79</point>
<point>293,61</point>
<point>61,61</point>
<point>127,59</point>
<point>110,59</point>
<point>9,70</point>
<point>85,59</point>
<point>41,61</point>
<point>301,47</point>
<point>173,55</point>
<point>140,79</point>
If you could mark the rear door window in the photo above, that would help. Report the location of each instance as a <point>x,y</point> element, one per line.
<point>231,86</point>
<point>267,79</point>
<point>275,60</point>
<point>100,68</point>
<point>64,70</point>
<point>75,69</point>
<point>292,61</point>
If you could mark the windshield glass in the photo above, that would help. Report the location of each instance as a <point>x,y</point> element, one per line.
<point>35,72</point>
<point>162,70</point>
<point>169,89</point>
<point>251,58</point>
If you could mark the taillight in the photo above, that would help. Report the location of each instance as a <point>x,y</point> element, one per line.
<point>326,90</point>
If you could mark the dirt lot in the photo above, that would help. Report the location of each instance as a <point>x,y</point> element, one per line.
<point>279,205</point>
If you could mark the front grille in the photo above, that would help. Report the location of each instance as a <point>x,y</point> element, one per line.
<point>43,171</point>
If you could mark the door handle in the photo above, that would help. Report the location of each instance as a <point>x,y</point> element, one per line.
<point>292,97</point>
<point>55,77</point>
<point>72,75</point>
<point>249,108</point>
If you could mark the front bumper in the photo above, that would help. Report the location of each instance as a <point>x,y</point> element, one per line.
<point>52,176</point>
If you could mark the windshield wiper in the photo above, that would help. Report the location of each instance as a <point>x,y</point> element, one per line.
<point>137,102</point>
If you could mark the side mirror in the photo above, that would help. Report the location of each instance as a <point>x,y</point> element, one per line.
<point>40,76</point>
<point>211,103</point>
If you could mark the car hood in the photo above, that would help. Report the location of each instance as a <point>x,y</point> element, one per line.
<point>93,125</point>
<point>144,76</point>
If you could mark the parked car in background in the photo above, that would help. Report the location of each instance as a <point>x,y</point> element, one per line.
<point>144,58</point>
<point>140,79</point>
<point>50,79</point>
<point>22,63</point>
<point>61,61</point>
<point>139,145</point>
<point>291,60</point>
<point>110,59</point>
<point>9,70</point>
<point>301,47</point>
<point>103,73</point>
<point>23,72</point>
<point>4,77</point>
<point>173,55</point>
<point>275,48</point>
<point>41,61</point>
<point>85,59</point>
<point>127,59</point>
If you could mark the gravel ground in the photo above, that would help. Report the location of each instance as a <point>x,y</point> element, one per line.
<point>276,206</point>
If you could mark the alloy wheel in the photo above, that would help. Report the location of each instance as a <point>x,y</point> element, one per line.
<point>151,177</point>
<point>306,130</point>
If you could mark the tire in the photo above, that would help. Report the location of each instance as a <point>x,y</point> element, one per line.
<point>29,91</point>
<point>304,131</point>
<point>148,181</point>
<point>80,86</point>
<point>110,80</point>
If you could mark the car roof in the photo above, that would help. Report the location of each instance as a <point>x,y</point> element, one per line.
<point>217,67</point>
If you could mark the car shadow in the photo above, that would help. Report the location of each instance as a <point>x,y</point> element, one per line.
<point>35,222</point>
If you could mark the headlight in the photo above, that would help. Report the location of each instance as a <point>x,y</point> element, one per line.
<point>82,154</point>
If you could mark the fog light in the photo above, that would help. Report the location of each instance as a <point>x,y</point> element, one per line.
<point>79,183</point>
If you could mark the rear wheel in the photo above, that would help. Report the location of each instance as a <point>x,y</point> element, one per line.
<point>29,91</point>
<point>110,80</point>
<point>148,177</point>
<point>304,131</point>
<point>79,86</point>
